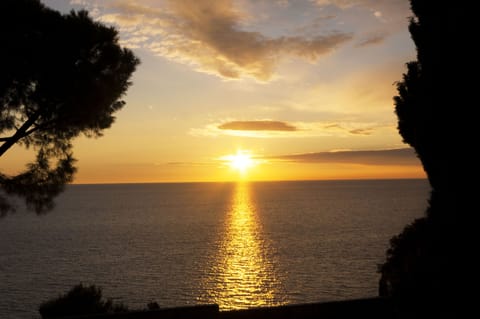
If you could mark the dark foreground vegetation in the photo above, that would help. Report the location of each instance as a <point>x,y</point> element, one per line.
<point>83,300</point>
<point>61,76</point>
<point>80,300</point>
<point>429,267</point>
<point>87,302</point>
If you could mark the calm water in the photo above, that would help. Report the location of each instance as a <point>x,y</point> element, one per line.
<point>237,245</point>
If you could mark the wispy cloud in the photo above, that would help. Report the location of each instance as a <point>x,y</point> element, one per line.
<point>79,2</point>
<point>208,34</point>
<point>386,17</point>
<point>402,156</point>
<point>372,39</point>
<point>362,131</point>
<point>190,164</point>
<point>279,129</point>
<point>390,6</point>
<point>257,126</point>
<point>388,11</point>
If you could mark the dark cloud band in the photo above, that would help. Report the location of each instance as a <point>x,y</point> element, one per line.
<point>257,126</point>
<point>402,156</point>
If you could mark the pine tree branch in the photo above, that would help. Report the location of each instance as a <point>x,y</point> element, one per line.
<point>19,134</point>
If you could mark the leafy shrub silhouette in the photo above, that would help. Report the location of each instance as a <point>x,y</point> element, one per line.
<point>80,300</point>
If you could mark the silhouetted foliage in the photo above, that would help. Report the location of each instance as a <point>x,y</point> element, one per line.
<point>427,264</point>
<point>80,300</point>
<point>61,75</point>
<point>85,300</point>
<point>153,305</point>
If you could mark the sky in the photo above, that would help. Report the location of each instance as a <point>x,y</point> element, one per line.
<point>301,89</point>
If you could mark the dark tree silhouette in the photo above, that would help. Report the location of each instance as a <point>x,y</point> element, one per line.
<point>61,75</point>
<point>427,267</point>
<point>80,300</point>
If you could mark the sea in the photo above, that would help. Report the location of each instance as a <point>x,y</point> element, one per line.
<point>238,245</point>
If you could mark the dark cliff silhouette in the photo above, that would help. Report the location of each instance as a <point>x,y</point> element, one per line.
<point>61,75</point>
<point>428,265</point>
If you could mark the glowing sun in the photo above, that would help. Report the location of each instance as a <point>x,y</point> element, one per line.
<point>241,161</point>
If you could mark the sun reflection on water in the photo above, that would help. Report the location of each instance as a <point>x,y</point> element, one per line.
<point>243,274</point>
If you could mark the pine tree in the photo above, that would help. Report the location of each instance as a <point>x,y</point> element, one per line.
<point>61,75</point>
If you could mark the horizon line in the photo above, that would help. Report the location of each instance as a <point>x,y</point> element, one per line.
<point>254,181</point>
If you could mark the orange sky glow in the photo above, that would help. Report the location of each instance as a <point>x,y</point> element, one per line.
<point>303,89</point>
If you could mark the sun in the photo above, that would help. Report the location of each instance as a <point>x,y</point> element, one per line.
<point>241,161</point>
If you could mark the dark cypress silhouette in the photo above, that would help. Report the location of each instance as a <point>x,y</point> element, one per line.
<point>60,76</point>
<point>427,267</point>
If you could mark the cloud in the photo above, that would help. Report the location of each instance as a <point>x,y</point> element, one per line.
<point>283,3</point>
<point>208,35</point>
<point>189,164</point>
<point>371,40</point>
<point>391,5</point>
<point>257,126</point>
<point>391,13</point>
<point>402,156</point>
<point>361,131</point>
<point>79,2</point>
<point>352,128</point>
<point>278,129</point>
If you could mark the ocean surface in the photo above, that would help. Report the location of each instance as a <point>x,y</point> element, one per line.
<point>238,245</point>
